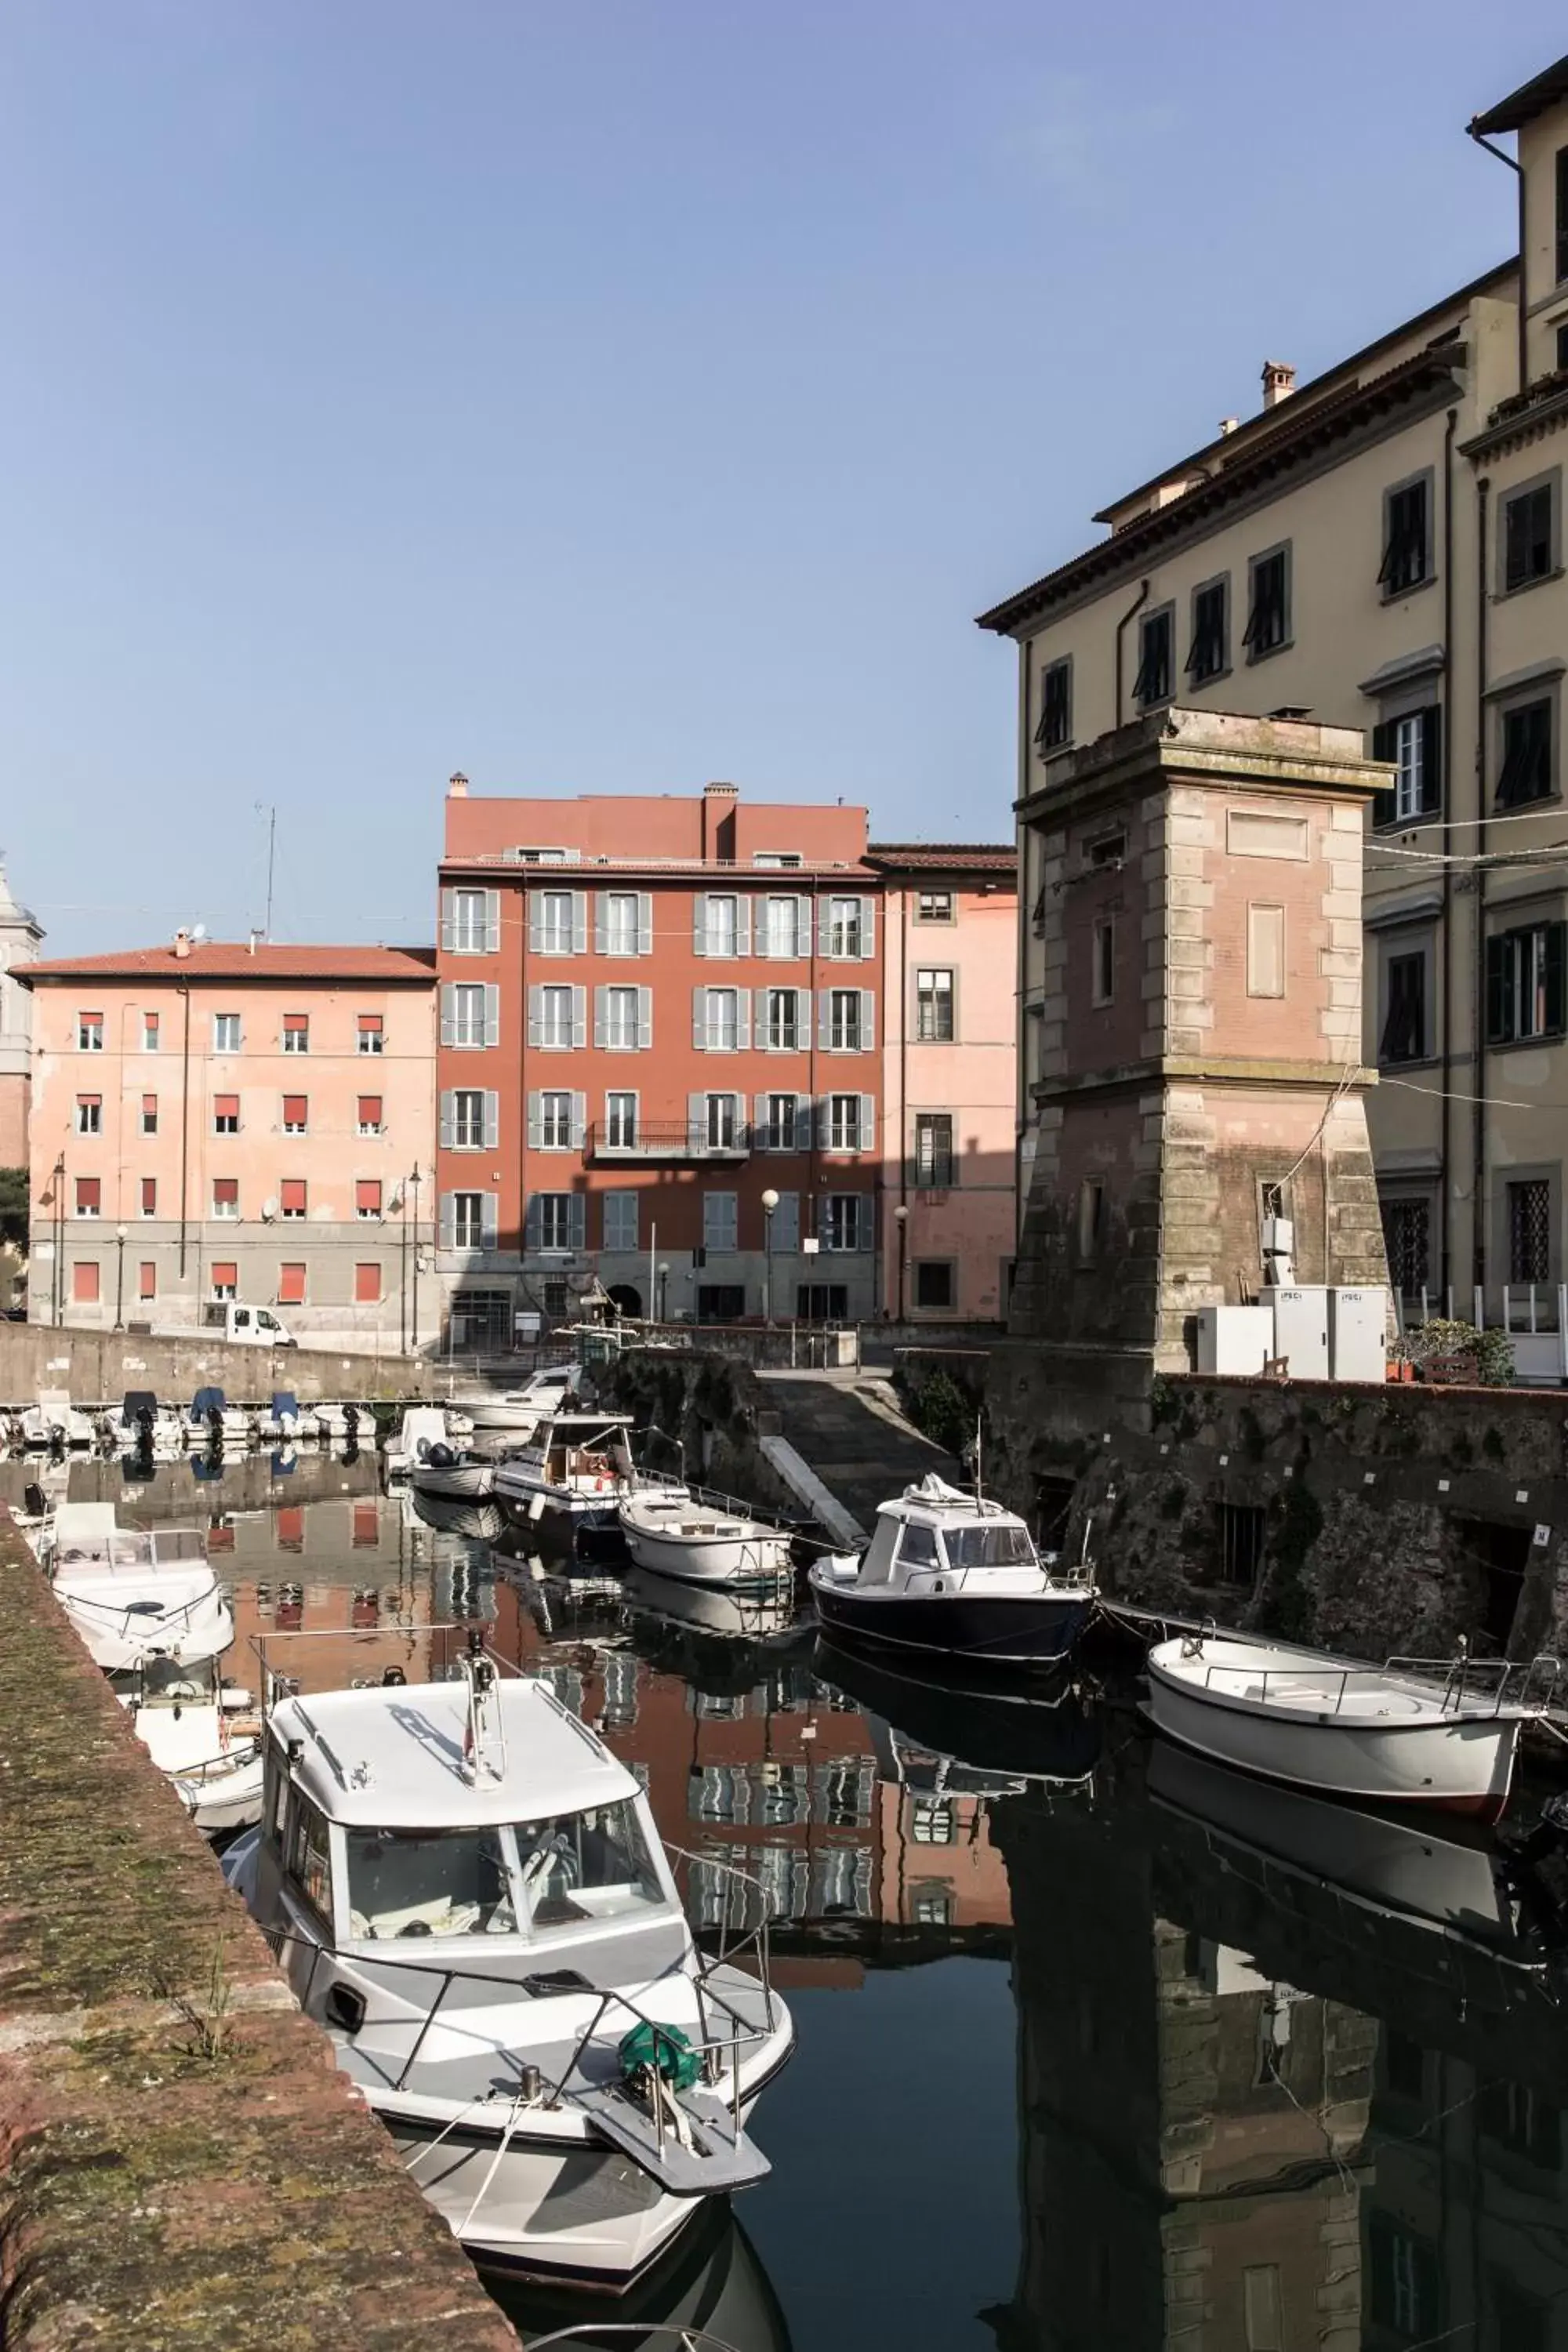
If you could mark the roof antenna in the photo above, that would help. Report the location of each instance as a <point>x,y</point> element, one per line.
<point>271,815</point>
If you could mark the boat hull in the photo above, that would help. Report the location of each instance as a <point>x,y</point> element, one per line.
<point>1453,1764</point>
<point>723,1560</point>
<point>1003,1630</point>
<point>467,1482</point>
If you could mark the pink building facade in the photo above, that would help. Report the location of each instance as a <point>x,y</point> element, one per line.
<point>215,1121</point>
<point>948,1083</point>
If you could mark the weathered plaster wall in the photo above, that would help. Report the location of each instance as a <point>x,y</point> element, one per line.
<point>98,1367</point>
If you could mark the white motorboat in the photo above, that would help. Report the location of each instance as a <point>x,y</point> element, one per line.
<point>282,1422</point>
<point>1414,1731</point>
<point>136,1593</point>
<point>518,1411</point>
<point>468,1890</point>
<point>145,1426</point>
<point>453,1474</point>
<point>949,1573</point>
<point>578,1466</point>
<point>193,1726</point>
<point>735,1612</point>
<point>704,1538</point>
<point>476,1522</point>
<point>214,1421</point>
<point>54,1422</point>
<point>341,1423</point>
<point>422,1426</point>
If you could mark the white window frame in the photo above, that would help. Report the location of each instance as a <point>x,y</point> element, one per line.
<point>775,1044</point>
<point>470,921</point>
<point>844,1123</point>
<point>840,1040</point>
<point>845,1214</point>
<point>789,903</point>
<point>555,1119</point>
<point>461,1095</point>
<point>1410,757</point>
<point>615,1039</point>
<point>89,1033</point>
<point>228,1033</point>
<point>551,994</point>
<point>616,1101</point>
<point>714,1041</point>
<point>465,995</point>
<point>552,1207</point>
<point>552,941</point>
<point>468,1209</point>
<point>616,936</point>
<point>89,1114</point>
<point>841,930</point>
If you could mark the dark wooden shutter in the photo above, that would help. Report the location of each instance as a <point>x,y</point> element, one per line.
<point>1555,1009</point>
<point>1384,806</point>
<point>1496,992</point>
<point>1431,758</point>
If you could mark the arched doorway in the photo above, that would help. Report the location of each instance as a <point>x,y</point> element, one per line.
<point>626,1297</point>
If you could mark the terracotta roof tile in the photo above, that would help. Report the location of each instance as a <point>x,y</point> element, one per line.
<point>988,856</point>
<point>232,959</point>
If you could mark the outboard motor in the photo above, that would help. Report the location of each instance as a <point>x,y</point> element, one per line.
<point>350,1423</point>
<point>35,1502</point>
<point>439,1456</point>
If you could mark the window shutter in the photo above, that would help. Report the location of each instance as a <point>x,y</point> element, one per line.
<point>579,922</point>
<point>824,1018</point>
<point>601,922</point>
<point>742,926</point>
<point>1384,742</point>
<point>445,1129</point>
<point>867,929</point>
<point>700,925</point>
<point>535,1014</point>
<point>759,1119</point>
<point>601,1016</point>
<point>1496,992</point>
<point>449,921</point>
<point>579,1014</point>
<point>868,1021</point>
<point>577,1221</point>
<point>868,1123</point>
<point>742,1020</point>
<point>492,923</point>
<point>492,1014</point>
<point>490,1219</point>
<point>786,1223</point>
<point>1555,1000</point>
<point>729,1221</point>
<point>699,1019</point>
<point>803,922</point>
<point>802,1115</point>
<point>821,1112</point>
<point>492,1119</point>
<point>535,920</point>
<point>367,1195</point>
<point>535,1120</point>
<point>579,1122</point>
<point>644,922</point>
<point>1431,758</point>
<point>866,1222</point>
<point>759,1016</point>
<point>448,1221</point>
<point>645,1019</point>
<point>696,1119</point>
<point>448,1014</point>
<point>532,1222</point>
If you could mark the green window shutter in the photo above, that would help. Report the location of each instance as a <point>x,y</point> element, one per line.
<point>1385,809</point>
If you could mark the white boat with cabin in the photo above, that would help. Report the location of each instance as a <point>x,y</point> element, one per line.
<point>703,1538</point>
<point>194,1727</point>
<point>518,1412</point>
<point>468,1890</point>
<point>577,1466</point>
<point>54,1422</point>
<point>422,1426</point>
<point>134,1594</point>
<point>1413,1731</point>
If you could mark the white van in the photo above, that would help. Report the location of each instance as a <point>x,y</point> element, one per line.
<point>247,1327</point>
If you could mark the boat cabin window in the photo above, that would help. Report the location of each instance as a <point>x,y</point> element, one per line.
<point>586,1866</point>
<point>166,1682</point>
<point>275,1798</point>
<point>309,1865</point>
<point>990,1543</point>
<point>917,1546</point>
<point>428,1883</point>
<point>877,1564</point>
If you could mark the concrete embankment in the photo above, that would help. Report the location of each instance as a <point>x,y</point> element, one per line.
<point>182,2165</point>
<point>98,1367</point>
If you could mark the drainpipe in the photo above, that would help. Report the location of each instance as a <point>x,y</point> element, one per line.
<point>1445,972</point>
<point>1478,1060</point>
<point>1518,170</point>
<point>1131,614</point>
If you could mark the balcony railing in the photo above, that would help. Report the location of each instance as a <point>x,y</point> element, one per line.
<point>675,1139</point>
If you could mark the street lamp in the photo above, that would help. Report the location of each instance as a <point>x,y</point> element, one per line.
<point>396,1207</point>
<point>53,1198</point>
<point>663,1290</point>
<point>120,1280</point>
<point>902,1219</point>
<point>770,1202</point>
<point>413,1185</point>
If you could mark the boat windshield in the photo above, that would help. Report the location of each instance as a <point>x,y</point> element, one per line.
<point>568,1869</point>
<point>428,1883</point>
<point>989,1543</point>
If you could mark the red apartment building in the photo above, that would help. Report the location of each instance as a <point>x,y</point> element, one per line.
<point>664,1061</point>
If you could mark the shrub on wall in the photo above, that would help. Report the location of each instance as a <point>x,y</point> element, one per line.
<point>1487,1356</point>
<point>941,1410</point>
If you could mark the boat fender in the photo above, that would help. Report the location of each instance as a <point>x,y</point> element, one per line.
<point>648,2046</point>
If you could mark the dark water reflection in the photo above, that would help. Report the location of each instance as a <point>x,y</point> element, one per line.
<point>1097,2049</point>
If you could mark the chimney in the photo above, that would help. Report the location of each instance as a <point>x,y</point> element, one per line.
<point>255,935</point>
<point>719,823</point>
<point>1279,383</point>
<point>182,945</point>
<point>1228,425</point>
<point>457,786</point>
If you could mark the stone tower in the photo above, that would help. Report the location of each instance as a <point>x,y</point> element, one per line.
<point>1195,1055</point>
<point>20,935</point>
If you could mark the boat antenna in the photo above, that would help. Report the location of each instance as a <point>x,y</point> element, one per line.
<point>979,1447</point>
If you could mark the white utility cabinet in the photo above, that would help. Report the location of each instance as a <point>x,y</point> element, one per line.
<point>1358,1335</point>
<point>1236,1340</point>
<point>1301,1329</point>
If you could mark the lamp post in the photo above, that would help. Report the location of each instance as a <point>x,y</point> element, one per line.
<point>119,1279</point>
<point>397,1207</point>
<point>53,1198</point>
<point>413,1188</point>
<point>902,1219</point>
<point>663,1288</point>
<point>770,1202</point>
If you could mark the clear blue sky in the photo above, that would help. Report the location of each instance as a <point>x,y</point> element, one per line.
<point>604,398</point>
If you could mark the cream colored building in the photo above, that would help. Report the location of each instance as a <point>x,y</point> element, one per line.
<point>1381,548</point>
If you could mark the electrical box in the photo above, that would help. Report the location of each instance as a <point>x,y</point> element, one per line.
<point>1301,1330</point>
<point>1358,1335</point>
<point>1234,1339</point>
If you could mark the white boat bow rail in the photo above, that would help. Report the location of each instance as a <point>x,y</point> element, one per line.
<point>693,2144</point>
<point>1460,1685</point>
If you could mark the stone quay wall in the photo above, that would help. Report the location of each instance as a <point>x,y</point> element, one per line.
<point>98,1367</point>
<point>182,2165</point>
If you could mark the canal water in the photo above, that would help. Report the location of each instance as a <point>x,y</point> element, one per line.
<point>1099,2046</point>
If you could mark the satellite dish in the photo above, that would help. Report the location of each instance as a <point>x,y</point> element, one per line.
<point>198,930</point>
<point>269,1209</point>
